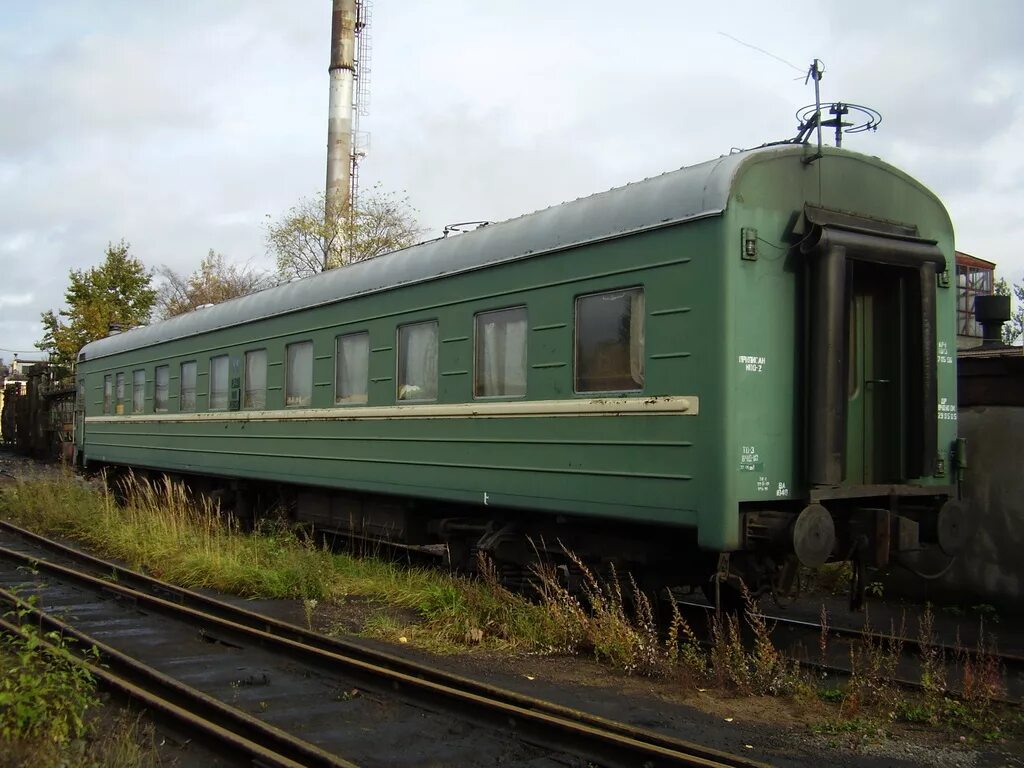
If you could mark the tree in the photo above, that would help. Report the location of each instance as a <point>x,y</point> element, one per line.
<point>304,243</point>
<point>1013,330</point>
<point>215,281</point>
<point>117,291</point>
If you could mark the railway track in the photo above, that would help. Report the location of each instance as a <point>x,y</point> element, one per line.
<point>801,639</point>
<point>277,694</point>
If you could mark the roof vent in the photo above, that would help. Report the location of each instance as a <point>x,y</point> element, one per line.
<point>991,312</point>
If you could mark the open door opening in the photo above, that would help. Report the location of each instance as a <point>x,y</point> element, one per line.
<point>877,397</point>
<point>872,388</point>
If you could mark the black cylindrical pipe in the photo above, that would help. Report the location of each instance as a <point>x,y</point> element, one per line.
<point>929,381</point>
<point>826,438</point>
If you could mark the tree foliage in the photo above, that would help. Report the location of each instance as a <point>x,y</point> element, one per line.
<point>215,281</point>
<point>1013,330</point>
<point>118,291</point>
<point>304,242</point>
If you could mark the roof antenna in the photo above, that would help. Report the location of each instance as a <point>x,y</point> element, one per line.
<point>462,227</point>
<point>816,71</point>
<point>809,117</point>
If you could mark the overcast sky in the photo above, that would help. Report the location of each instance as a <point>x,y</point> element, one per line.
<point>180,125</point>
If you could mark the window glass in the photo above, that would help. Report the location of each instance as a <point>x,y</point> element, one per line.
<point>219,383</point>
<point>187,401</point>
<point>500,369</point>
<point>108,391</point>
<point>255,379</point>
<point>160,388</point>
<point>138,391</point>
<point>971,282</point>
<point>352,369</point>
<point>299,374</point>
<point>417,361</point>
<point>119,392</point>
<point>610,341</point>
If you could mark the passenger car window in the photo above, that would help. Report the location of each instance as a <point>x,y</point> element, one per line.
<point>187,400</point>
<point>255,395</point>
<point>352,366</point>
<point>160,388</point>
<point>299,374</point>
<point>500,369</point>
<point>417,361</point>
<point>119,391</point>
<point>219,383</point>
<point>108,391</point>
<point>610,341</point>
<point>138,391</point>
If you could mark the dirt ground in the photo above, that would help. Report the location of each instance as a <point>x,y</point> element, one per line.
<point>778,731</point>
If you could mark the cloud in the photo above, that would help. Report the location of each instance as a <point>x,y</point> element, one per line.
<point>15,299</point>
<point>180,126</point>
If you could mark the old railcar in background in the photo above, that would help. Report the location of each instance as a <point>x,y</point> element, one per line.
<point>722,370</point>
<point>38,414</point>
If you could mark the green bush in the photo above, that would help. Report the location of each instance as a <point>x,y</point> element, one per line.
<point>44,692</point>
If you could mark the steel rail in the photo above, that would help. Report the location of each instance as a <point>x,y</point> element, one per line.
<point>346,652</point>
<point>853,632</point>
<point>215,722</point>
<point>950,653</point>
<point>549,725</point>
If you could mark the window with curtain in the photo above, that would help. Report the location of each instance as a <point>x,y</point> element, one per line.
<point>138,391</point>
<point>160,387</point>
<point>219,383</point>
<point>108,392</point>
<point>417,361</point>
<point>352,366</point>
<point>610,341</point>
<point>500,369</point>
<point>119,392</point>
<point>255,394</point>
<point>299,374</point>
<point>187,399</point>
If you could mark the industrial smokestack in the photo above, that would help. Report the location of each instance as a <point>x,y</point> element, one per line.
<point>339,118</point>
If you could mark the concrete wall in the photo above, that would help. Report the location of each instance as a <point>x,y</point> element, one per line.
<point>992,568</point>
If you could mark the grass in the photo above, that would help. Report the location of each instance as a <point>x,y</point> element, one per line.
<point>158,528</point>
<point>50,713</point>
<point>871,701</point>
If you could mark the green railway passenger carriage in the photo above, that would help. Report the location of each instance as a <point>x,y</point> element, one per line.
<point>721,369</point>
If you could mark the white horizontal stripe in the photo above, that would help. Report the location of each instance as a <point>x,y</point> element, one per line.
<point>611,406</point>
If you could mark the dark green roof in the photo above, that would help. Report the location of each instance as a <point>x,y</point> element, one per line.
<point>671,198</point>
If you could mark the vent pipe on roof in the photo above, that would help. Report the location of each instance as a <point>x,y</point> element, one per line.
<point>991,312</point>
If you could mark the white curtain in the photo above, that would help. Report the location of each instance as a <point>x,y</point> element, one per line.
<point>502,364</point>
<point>353,368</point>
<point>119,385</point>
<point>299,376</point>
<point>255,379</point>
<point>219,383</point>
<point>138,391</point>
<point>188,387</point>
<point>160,388</point>
<point>418,370</point>
<point>636,337</point>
